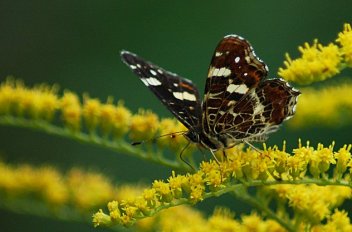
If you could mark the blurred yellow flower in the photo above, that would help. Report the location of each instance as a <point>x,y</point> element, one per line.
<point>319,62</point>
<point>328,106</point>
<point>345,41</point>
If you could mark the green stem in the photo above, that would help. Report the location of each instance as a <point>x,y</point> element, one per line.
<point>116,145</point>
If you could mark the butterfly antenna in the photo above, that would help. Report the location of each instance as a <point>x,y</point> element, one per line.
<point>157,137</point>
<point>185,161</point>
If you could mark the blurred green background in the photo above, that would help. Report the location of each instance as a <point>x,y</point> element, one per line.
<point>76,44</point>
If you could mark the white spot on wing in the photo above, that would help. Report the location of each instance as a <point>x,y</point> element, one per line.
<point>184,96</point>
<point>145,81</point>
<point>242,89</point>
<point>178,95</point>
<point>152,72</point>
<point>237,59</point>
<point>218,54</point>
<point>151,81</point>
<point>188,96</point>
<point>227,72</point>
<point>133,66</point>
<point>218,72</point>
<point>259,108</point>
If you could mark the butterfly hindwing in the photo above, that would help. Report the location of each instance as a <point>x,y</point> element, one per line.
<point>261,111</point>
<point>179,94</point>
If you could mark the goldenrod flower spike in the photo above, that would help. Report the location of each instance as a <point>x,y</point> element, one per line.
<point>319,62</point>
<point>308,166</point>
<point>73,195</point>
<point>330,106</point>
<point>345,41</point>
<point>83,191</point>
<point>91,121</point>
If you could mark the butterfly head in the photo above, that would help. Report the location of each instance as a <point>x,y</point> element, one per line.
<point>192,136</point>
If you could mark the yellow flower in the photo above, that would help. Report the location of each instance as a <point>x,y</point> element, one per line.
<point>255,165</point>
<point>339,221</point>
<point>252,223</point>
<point>7,96</point>
<point>197,193</point>
<point>143,125</point>
<point>223,220</point>
<point>314,202</point>
<point>53,186</point>
<point>176,183</point>
<point>100,218</point>
<point>71,110</point>
<point>89,189</point>
<point>91,112</point>
<point>213,175</point>
<point>330,106</point>
<point>296,166</point>
<point>321,159</point>
<point>163,190</point>
<point>121,120</point>
<point>345,40</point>
<point>343,157</point>
<point>149,195</point>
<point>115,119</point>
<point>317,63</point>
<point>40,102</point>
<point>180,219</point>
<point>107,114</point>
<point>174,139</point>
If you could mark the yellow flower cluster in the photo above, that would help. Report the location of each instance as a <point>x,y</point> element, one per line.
<point>85,191</point>
<point>82,190</point>
<point>314,203</point>
<point>43,103</point>
<point>186,219</point>
<point>240,166</point>
<point>319,62</point>
<point>39,102</point>
<point>330,106</point>
<point>345,41</point>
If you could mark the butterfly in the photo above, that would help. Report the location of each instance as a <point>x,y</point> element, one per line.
<point>239,106</point>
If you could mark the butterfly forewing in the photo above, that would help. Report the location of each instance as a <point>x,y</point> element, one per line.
<point>179,94</point>
<point>233,72</point>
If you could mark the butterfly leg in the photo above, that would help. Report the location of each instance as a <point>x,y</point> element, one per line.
<point>216,159</point>
<point>185,161</point>
<point>224,154</point>
<point>252,146</point>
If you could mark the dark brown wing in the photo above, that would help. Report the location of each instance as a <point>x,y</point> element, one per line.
<point>234,71</point>
<point>178,94</point>
<point>260,112</point>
